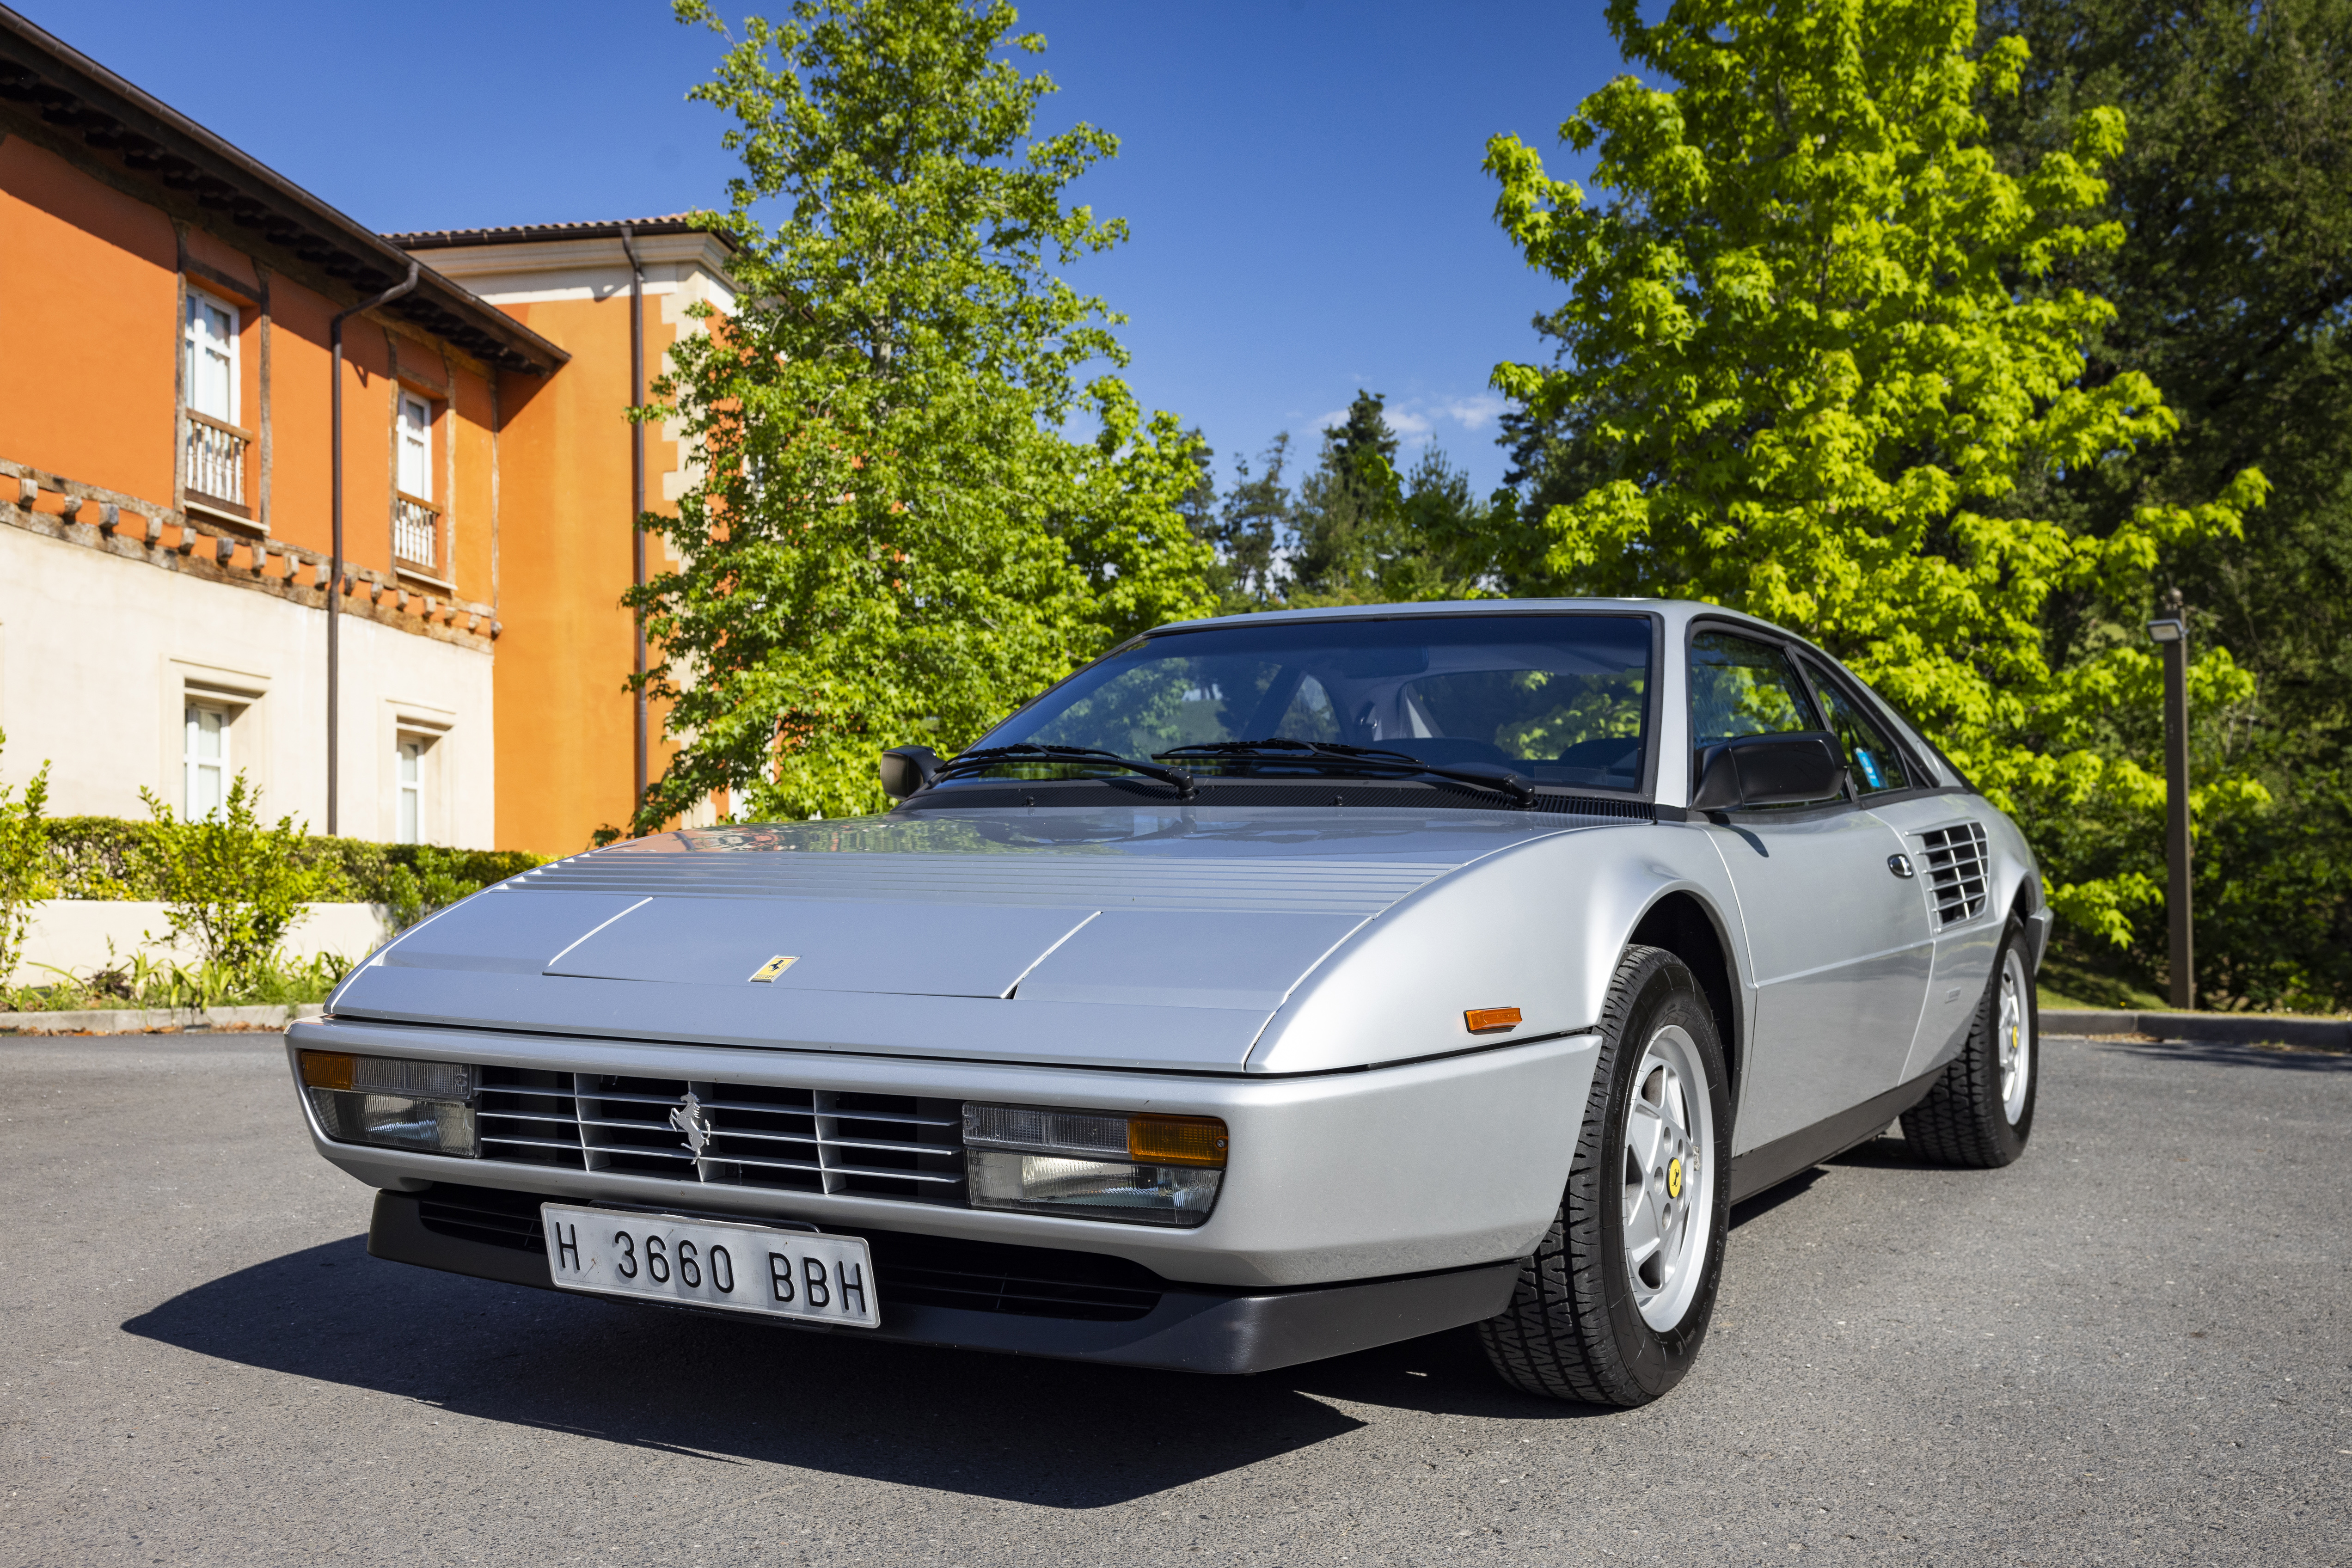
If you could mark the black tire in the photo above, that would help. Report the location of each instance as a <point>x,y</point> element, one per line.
<point>1574,1329</point>
<point>1967,1119</point>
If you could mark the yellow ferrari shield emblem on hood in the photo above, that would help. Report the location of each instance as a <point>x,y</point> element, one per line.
<point>774,967</point>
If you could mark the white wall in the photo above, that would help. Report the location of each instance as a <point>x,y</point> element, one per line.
<point>98,656</point>
<point>72,934</point>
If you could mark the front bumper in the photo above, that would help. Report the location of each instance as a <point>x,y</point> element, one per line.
<point>1138,1322</point>
<point>1334,1177</point>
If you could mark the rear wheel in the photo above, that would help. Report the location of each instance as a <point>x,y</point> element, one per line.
<point>1980,1112</point>
<point>1611,1307</point>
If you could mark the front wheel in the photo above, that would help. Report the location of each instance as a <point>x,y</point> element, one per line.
<point>1611,1307</point>
<point>1980,1112</point>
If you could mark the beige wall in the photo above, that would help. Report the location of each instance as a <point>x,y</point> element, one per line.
<point>80,936</point>
<point>100,654</point>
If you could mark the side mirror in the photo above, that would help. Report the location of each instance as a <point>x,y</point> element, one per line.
<point>906,769</point>
<point>1768,770</point>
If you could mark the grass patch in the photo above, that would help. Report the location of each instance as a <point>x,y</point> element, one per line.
<point>2065,984</point>
<point>141,981</point>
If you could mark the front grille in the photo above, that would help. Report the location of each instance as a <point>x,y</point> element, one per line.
<point>1956,871</point>
<point>910,1271</point>
<point>750,1135</point>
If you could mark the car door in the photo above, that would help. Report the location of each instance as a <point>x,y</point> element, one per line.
<point>1945,834</point>
<point>1839,947</point>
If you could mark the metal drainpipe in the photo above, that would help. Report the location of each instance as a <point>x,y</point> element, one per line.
<point>637,488</point>
<point>335,560</point>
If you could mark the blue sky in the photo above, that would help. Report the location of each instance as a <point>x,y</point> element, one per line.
<point>1301,176</point>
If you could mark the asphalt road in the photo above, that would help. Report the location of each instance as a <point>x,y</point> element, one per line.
<point>2134,1346</point>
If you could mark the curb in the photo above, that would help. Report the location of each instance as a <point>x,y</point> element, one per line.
<point>2224,1028</point>
<point>155,1020</point>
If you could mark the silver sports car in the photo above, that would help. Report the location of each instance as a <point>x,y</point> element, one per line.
<point>1274,987</point>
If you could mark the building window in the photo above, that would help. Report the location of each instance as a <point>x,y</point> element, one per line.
<point>216,443</point>
<point>417,447</point>
<point>412,791</point>
<point>415,521</point>
<point>206,760</point>
<point>212,357</point>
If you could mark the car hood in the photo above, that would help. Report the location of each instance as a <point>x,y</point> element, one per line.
<point>1162,938</point>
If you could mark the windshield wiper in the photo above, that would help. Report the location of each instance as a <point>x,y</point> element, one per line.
<point>1331,755</point>
<point>1030,752</point>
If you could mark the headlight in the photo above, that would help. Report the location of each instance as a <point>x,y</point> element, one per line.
<point>425,1106</point>
<point>1088,1164</point>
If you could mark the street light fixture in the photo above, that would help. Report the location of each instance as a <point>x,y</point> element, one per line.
<point>2170,631</point>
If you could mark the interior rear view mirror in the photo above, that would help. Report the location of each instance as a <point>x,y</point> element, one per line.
<point>1768,770</point>
<point>906,769</point>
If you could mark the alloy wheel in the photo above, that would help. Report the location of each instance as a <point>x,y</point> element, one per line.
<point>2016,1053</point>
<point>1669,1195</point>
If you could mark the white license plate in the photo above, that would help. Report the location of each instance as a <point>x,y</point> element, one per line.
<point>797,1274</point>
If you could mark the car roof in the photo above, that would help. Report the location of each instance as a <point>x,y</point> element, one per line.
<point>1676,612</point>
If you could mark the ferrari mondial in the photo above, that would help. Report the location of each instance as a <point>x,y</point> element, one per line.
<point>1274,987</point>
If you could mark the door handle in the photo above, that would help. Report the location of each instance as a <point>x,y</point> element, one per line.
<point>1901,865</point>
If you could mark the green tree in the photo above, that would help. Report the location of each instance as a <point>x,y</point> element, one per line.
<point>892,539</point>
<point>1250,529</point>
<point>1456,546</point>
<point>2230,291</point>
<point>1349,521</point>
<point>1814,393</point>
<point>1361,531</point>
<point>24,862</point>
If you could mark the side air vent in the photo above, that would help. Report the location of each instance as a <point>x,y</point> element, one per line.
<point>1955,864</point>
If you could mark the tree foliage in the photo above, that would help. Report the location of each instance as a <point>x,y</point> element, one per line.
<point>23,846</point>
<point>892,539</point>
<point>2230,291</point>
<point>1798,378</point>
<point>1356,531</point>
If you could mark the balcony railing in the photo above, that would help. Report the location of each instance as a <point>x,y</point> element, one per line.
<point>416,533</point>
<point>216,459</point>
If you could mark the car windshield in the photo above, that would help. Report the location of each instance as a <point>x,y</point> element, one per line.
<point>1560,699</point>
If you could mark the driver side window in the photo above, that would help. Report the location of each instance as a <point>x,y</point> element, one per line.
<point>1740,686</point>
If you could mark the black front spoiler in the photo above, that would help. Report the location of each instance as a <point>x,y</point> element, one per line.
<point>1192,1329</point>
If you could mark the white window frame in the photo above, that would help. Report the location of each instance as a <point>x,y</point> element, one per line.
<point>195,339</point>
<point>194,764</point>
<point>422,446</point>
<point>409,797</point>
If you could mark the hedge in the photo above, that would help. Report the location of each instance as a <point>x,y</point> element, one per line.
<point>108,857</point>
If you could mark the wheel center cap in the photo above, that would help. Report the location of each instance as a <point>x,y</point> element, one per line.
<point>1674,1178</point>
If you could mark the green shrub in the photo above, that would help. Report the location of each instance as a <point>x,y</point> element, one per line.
<point>234,886</point>
<point>99,857</point>
<point>408,881</point>
<point>108,857</point>
<point>24,863</point>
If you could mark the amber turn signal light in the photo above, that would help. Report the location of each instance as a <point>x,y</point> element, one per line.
<point>1176,1139</point>
<point>327,1069</point>
<point>1492,1020</point>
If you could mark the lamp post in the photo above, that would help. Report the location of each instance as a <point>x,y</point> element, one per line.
<point>2171,632</point>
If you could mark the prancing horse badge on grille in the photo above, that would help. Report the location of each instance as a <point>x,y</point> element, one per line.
<point>694,1122</point>
<point>774,967</point>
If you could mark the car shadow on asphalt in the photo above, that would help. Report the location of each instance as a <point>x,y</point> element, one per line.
<point>1057,1433</point>
<point>2278,1057</point>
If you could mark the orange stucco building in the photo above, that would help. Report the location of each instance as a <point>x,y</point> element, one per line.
<point>168,310</point>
